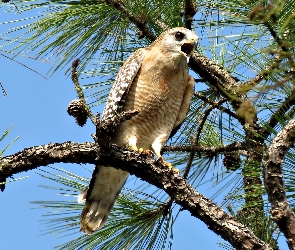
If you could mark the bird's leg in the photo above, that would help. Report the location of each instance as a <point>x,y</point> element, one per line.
<point>157,149</point>
<point>147,152</point>
<point>168,165</point>
<point>132,146</point>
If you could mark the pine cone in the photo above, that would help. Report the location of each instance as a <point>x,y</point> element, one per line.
<point>77,110</point>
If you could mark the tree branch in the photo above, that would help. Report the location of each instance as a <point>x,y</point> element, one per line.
<point>215,105</point>
<point>34,157</point>
<point>80,91</point>
<point>70,152</point>
<point>236,146</point>
<point>279,41</point>
<point>273,121</point>
<point>189,11</point>
<point>206,68</point>
<point>218,77</point>
<point>197,136</point>
<point>272,162</point>
<point>146,168</point>
<point>139,22</point>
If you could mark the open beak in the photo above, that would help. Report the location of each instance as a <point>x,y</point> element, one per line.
<point>188,48</point>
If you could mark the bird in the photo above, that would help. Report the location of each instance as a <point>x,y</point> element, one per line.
<point>155,81</point>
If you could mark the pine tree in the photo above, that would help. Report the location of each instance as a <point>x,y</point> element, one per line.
<point>238,135</point>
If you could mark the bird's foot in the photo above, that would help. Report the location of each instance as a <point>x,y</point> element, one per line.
<point>146,152</point>
<point>141,150</point>
<point>168,165</point>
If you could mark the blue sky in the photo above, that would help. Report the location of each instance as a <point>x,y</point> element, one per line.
<point>36,107</point>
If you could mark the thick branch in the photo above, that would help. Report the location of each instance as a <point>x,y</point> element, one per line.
<point>274,184</point>
<point>189,11</point>
<point>34,157</point>
<point>146,168</point>
<point>70,152</point>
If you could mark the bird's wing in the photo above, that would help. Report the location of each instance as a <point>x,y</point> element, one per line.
<point>107,182</point>
<point>122,83</point>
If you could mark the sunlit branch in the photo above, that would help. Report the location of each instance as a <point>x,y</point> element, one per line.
<point>147,168</point>
<point>217,77</point>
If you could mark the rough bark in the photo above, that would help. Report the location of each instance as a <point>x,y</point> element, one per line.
<point>146,168</point>
<point>273,159</point>
<point>189,11</point>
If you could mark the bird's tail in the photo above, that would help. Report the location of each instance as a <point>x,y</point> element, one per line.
<point>100,196</point>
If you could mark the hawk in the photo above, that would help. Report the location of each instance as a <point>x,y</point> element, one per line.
<point>155,81</point>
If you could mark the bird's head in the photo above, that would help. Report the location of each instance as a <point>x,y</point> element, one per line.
<point>180,41</point>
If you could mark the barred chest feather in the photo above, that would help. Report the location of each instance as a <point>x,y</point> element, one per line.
<point>157,92</point>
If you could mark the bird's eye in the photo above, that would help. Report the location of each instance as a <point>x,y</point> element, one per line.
<point>179,36</point>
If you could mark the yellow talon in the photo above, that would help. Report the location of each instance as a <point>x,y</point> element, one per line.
<point>168,165</point>
<point>148,152</point>
<point>175,171</point>
<point>140,150</point>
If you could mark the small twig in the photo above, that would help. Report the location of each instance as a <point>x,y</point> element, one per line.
<point>202,123</point>
<point>3,90</point>
<point>205,115</point>
<point>273,121</point>
<point>195,141</point>
<point>279,41</point>
<point>221,108</point>
<point>189,11</point>
<point>163,209</point>
<point>199,80</point>
<point>139,22</point>
<point>80,91</point>
<point>245,87</point>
